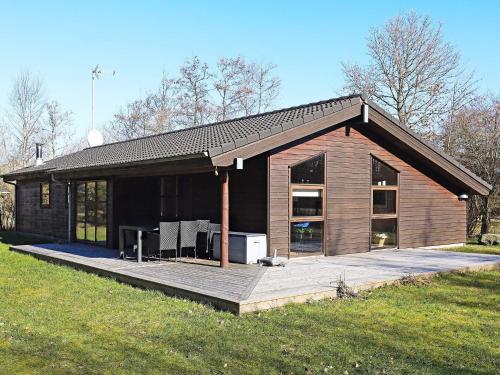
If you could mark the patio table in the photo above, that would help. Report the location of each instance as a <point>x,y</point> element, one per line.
<point>137,228</point>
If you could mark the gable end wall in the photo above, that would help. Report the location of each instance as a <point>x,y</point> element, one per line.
<point>429,214</point>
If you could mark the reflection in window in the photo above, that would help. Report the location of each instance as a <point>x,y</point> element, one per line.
<point>307,202</point>
<point>45,195</point>
<point>306,215</point>
<point>384,202</point>
<point>311,171</point>
<point>306,237</point>
<point>384,205</point>
<point>382,174</point>
<point>91,211</point>
<point>384,233</point>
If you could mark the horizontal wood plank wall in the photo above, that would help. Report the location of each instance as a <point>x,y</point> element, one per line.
<point>51,221</point>
<point>429,213</point>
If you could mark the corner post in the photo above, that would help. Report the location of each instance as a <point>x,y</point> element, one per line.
<point>224,234</point>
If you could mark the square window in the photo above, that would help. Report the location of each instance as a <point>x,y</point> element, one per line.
<point>306,237</point>
<point>384,202</point>
<point>307,202</point>
<point>384,233</point>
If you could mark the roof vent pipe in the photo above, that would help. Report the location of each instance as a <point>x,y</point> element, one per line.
<point>365,113</point>
<point>39,154</point>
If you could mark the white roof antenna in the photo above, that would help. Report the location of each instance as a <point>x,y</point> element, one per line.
<point>95,137</point>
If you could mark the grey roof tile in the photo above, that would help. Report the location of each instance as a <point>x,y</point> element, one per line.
<point>276,129</point>
<point>212,138</point>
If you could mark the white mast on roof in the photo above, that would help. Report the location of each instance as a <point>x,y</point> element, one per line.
<point>95,137</point>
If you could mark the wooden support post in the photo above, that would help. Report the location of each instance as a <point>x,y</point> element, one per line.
<point>224,233</point>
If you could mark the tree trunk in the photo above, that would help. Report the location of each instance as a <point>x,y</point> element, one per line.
<point>485,215</point>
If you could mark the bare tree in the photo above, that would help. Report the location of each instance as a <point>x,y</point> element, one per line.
<point>163,105</point>
<point>27,105</point>
<point>7,196</point>
<point>196,108</point>
<point>129,122</point>
<point>240,88</point>
<point>413,73</point>
<point>266,86</point>
<point>3,143</point>
<point>57,129</point>
<point>157,113</point>
<point>230,85</point>
<point>473,137</point>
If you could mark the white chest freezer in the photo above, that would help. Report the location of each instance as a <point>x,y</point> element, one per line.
<point>244,247</point>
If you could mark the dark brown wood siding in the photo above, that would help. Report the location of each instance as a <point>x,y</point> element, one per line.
<point>429,213</point>
<point>31,218</point>
<point>248,196</point>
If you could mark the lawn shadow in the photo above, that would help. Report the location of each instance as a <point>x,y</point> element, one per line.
<point>14,238</point>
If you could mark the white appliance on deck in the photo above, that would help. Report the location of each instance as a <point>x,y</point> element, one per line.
<point>244,247</point>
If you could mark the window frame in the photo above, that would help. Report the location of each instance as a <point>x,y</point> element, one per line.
<point>385,188</point>
<point>372,156</point>
<point>396,188</point>
<point>42,194</point>
<point>306,187</point>
<point>98,200</point>
<point>302,186</point>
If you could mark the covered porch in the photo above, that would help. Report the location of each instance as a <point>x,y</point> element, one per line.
<point>123,210</point>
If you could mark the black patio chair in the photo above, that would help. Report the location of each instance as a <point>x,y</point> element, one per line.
<point>212,228</point>
<point>151,243</point>
<point>189,234</point>
<point>168,237</point>
<point>130,244</point>
<point>202,239</point>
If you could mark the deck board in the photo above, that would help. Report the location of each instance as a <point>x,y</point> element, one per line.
<point>245,288</point>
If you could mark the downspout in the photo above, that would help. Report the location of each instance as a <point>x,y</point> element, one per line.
<point>68,187</point>
<point>15,201</point>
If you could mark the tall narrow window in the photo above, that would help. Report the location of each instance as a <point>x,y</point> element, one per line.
<point>307,188</point>
<point>45,195</point>
<point>385,190</point>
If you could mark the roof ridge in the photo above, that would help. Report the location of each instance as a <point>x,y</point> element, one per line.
<point>228,121</point>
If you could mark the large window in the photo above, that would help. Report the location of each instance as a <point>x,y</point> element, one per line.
<point>307,206</point>
<point>91,211</point>
<point>385,190</point>
<point>45,195</point>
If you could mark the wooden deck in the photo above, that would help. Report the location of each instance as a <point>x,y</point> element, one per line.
<point>246,288</point>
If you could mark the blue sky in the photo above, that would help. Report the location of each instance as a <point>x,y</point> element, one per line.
<point>61,42</point>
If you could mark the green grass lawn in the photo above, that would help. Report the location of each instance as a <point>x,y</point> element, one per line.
<point>475,248</point>
<point>55,320</point>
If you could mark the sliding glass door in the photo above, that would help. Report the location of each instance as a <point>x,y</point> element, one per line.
<point>91,212</point>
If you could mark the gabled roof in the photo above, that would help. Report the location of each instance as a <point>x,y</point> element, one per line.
<point>201,141</point>
<point>219,143</point>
